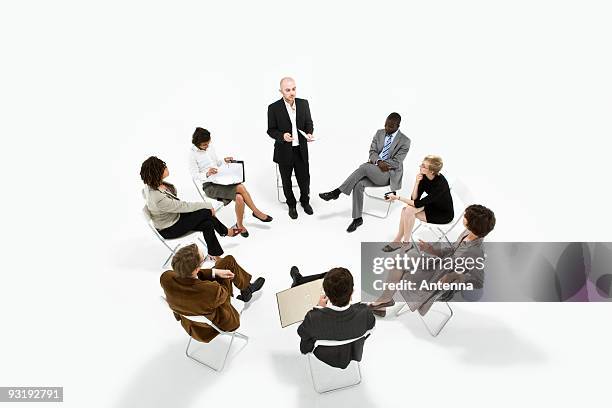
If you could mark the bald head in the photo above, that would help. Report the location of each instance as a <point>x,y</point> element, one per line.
<point>287,89</point>
<point>283,81</point>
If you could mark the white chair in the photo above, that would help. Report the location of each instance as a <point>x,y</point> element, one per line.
<point>217,205</point>
<point>444,297</point>
<point>432,311</point>
<point>459,193</point>
<point>377,197</point>
<point>232,335</point>
<point>326,378</point>
<point>187,237</point>
<point>279,185</point>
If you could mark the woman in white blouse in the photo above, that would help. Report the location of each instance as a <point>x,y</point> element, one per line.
<point>203,163</point>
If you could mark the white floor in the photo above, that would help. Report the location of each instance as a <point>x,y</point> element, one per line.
<point>514,97</point>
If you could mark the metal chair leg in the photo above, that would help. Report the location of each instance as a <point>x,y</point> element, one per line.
<point>403,310</point>
<point>172,252</point>
<point>379,199</point>
<point>279,186</point>
<point>197,360</point>
<point>332,389</point>
<point>229,347</point>
<point>435,334</point>
<point>278,190</point>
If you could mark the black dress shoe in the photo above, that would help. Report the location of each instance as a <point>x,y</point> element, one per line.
<point>332,195</point>
<point>307,209</point>
<point>293,212</point>
<point>246,294</point>
<point>382,305</point>
<point>356,223</point>
<point>391,248</point>
<point>295,275</point>
<point>267,219</point>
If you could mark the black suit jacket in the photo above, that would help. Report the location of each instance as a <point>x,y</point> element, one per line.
<point>280,123</point>
<point>328,324</point>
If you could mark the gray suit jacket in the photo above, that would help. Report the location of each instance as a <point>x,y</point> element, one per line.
<point>399,150</point>
<point>423,300</point>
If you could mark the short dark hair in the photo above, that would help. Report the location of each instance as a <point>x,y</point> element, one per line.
<point>394,116</point>
<point>151,171</point>
<point>186,260</point>
<point>480,220</point>
<point>338,286</point>
<point>200,136</point>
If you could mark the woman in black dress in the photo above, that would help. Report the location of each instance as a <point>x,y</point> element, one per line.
<point>435,208</point>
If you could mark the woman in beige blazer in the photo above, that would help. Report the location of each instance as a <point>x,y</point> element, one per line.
<point>174,218</point>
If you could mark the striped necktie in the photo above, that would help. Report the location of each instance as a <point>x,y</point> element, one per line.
<point>387,147</point>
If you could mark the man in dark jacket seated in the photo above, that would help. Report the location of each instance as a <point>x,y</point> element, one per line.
<point>334,318</point>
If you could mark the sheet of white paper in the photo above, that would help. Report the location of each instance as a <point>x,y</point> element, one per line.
<point>228,173</point>
<point>304,134</point>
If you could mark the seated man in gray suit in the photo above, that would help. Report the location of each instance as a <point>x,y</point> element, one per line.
<point>385,167</point>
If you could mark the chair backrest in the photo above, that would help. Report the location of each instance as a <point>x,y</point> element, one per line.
<point>147,215</point>
<point>459,193</point>
<point>215,203</point>
<point>197,319</point>
<point>198,188</point>
<point>334,343</point>
<point>145,209</point>
<point>462,191</point>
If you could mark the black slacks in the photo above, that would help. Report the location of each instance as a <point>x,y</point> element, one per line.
<point>302,175</point>
<point>310,278</point>
<point>200,220</point>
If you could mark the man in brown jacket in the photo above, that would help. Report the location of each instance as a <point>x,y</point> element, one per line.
<point>192,291</point>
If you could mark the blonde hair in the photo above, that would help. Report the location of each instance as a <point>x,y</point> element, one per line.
<point>434,163</point>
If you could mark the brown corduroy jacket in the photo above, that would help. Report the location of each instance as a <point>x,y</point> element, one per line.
<point>204,296</point>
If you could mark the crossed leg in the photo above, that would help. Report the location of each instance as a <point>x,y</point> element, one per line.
<point>244,197</point>
<point>407,220</point>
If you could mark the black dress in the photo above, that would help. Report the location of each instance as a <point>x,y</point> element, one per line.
<point>438,203</point>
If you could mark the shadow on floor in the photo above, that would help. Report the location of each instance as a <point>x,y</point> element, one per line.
<point>292,372</point>
<point>474,338</point>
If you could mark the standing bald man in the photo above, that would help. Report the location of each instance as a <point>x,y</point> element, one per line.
<point>287,119</point>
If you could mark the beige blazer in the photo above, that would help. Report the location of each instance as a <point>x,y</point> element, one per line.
<point>165,207</point>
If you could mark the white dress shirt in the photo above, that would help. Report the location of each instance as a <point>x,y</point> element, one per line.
<point>291,110</point>
<point>202,160</point>
<point>331,306</point>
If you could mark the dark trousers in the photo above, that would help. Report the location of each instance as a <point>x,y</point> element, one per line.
<point>301,174</point>
<point>200,220</point>
<point>310,278</point>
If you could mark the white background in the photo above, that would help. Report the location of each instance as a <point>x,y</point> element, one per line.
<point>515,96</point>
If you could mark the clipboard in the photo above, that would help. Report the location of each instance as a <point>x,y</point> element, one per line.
<point>229,173</point>
<point>294,303</point>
